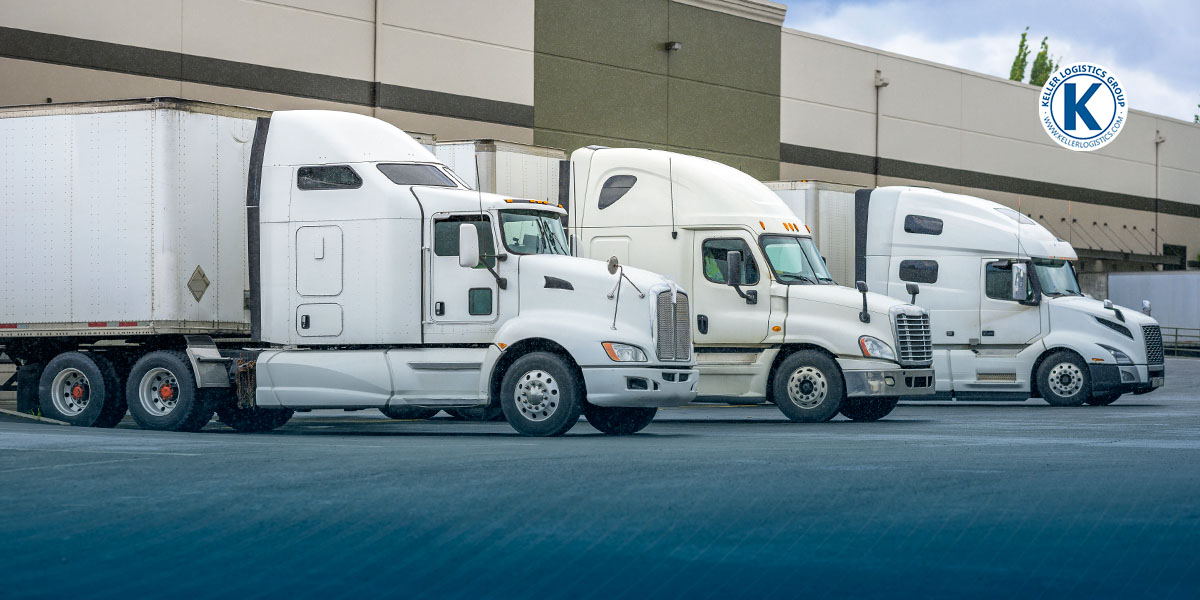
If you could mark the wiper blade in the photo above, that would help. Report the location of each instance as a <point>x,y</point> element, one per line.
<point>803,278</point>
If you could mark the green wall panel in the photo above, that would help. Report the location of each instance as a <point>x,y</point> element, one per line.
<point>582,97</point>
<point>625,33</point>
<point>725,50</point>
<point>710,117</point>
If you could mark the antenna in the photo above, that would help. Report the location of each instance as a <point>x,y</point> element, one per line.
<point>671,183</point>
<point>478,184</point>
<point>1019,215</point>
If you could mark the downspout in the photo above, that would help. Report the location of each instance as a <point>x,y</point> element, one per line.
<point>1158,140</point>
<point>880,83</point>
<point>375,85</point>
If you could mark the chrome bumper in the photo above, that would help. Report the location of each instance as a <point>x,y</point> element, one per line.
<point>889,382</point>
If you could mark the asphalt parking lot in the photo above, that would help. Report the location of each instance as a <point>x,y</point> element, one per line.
<point>1016,500</point>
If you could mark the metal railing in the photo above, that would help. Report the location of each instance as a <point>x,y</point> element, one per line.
<point>1181,341</point>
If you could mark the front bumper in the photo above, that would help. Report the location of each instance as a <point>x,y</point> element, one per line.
<point>871,383</point>
<point>640,386</point>
<point>1125,379</point>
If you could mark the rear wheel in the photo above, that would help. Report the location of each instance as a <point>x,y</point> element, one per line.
<point>254,419</point>
<point>81,389</point>
<point>1063,379</point>
<point>407,413</point>
<point>540,395</point>
<point>163,396</point>
<point>618,420</point>
<point>808,387</point>
<point>868,409</point>
<point>1103,399</point>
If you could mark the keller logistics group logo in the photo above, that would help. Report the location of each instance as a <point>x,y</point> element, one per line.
<point>1083,106</point>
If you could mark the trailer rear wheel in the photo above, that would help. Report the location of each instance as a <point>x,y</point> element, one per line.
<point>540,395</point>
<point>406,413</point>
<point>868,409</point>
<point>255,419</point>
<point>613,420</point>
<point>163,396</point>
<point>81,389</point>
<point>116,407</point>
<point>1063,379</point>
<point>808,387</point>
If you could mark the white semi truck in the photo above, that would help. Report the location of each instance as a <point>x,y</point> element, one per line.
<point>1009,320</point>
<point>178,258</point>
<point>769,322</point>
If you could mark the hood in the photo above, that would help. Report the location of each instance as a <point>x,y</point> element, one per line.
<point>840,295</point>
<point>586,272</point>
<point>1096,308</point>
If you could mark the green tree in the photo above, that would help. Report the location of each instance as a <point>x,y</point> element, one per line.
<point>1043,65</point>
<point>1022,59</point>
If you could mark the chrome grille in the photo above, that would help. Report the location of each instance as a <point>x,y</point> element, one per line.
<point>914,339</point>
<point>1154,344</point>
<point>673,327</point>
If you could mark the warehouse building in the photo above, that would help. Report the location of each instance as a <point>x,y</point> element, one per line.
<point>716,78</point>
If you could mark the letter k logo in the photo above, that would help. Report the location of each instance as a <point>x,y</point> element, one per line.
<point>1073,107</point>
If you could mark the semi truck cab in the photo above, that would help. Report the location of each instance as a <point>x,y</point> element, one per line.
<point>1009,319</point>
<point>769,322</point>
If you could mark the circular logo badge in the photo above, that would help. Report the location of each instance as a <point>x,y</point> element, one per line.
<point>1083,106</point>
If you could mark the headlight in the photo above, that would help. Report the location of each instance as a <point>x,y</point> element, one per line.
<point>875,348</point>
<point>1122,358</point>
<point>624,352</point>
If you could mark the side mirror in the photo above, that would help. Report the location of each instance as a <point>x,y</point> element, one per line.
<point>913,290</point>
<point>734,268</point>
<point>861,286</point>
<point>863,316</point>
<point>468,246</point>
<point>1108,304</point>
<point>1020,281</point>
<point>1146,307</point>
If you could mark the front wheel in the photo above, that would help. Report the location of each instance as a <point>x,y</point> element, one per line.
<point>613,420</point>
<point>808,387</point>
<point>1063,379</point>
<point>540,395</point>
<point>163,396</point>
<point>868,409</point>
<point>1103,399</point>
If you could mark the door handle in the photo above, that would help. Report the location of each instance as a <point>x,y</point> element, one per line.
<point>304,322</point>
<point>439,308</point>
<point>702,323</point>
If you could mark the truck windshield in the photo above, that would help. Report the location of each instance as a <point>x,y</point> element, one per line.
<point>795,260</point>
<point>1056,277</point>
<point>532,232</point>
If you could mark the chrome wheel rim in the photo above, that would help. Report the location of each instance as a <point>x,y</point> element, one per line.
<point>537,395</point>
<point>159,392</point>
<point>807,387</point>
<point>1066,379</point>
<point>70,392</point>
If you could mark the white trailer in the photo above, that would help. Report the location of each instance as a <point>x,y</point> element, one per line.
<point>506,168</point>
<point>180,258</point>
<point>1009,320</point>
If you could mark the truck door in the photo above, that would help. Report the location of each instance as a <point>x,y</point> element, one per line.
<point>1002,320</point>
<point>722,317</point>
<point>456,294</point>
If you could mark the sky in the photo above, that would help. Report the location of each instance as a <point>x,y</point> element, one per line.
<point>1153,46</point>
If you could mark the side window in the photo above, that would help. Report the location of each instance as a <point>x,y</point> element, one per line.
<point>715,253</point>
<point>445,238</point>
<point>919,271</point>
<point>614,188</point>
<point>998,282</point>
<point>479,301</point>
<point>333,177</point>
<point>923,225</point>
<point>402,174</point>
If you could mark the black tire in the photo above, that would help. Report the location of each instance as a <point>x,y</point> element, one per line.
<point>820,399</point>
<point>254,419</point>
<point>1103,399</point>
<point>407,413</point>
<point>552,397</point>
<point>491,412</point>
<point>115,410</point>
<point>173,401</point>
<point>1069,374</point>
<point>81,389</point>
<point>868,409</point>
<point>612,420</point>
